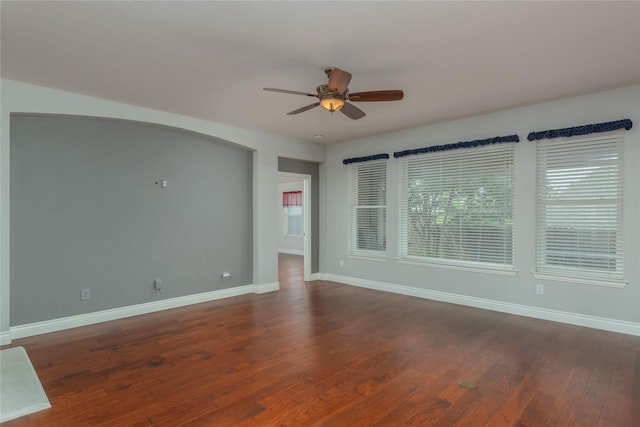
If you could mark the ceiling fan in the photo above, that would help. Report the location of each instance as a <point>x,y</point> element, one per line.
<point>334,95</point>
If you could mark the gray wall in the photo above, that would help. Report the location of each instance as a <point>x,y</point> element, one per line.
<point>87,212</point>
<point>308,168</point>
<point>493,290</point>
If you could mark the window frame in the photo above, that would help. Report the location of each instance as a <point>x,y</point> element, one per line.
<point>287,220</point>
<point>468,160</point>
<point>610,143</point>
<point>355,169</point>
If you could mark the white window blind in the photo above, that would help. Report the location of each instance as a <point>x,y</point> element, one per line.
<point>456,207</point>
<point>368,225</point>
<point>293,221</point>
<point>579,207</point>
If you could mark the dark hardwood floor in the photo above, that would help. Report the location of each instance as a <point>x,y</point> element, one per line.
<point>322,353</point>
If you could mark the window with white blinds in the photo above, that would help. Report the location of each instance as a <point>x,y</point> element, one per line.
<point>579,207</point>
<point>368,230</point>
<point>293,221</point>
<point>456,207</point>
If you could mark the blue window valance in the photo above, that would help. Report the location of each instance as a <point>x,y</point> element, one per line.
<point>464,144</point>
<point>365,158</point>
<point>581,130</point>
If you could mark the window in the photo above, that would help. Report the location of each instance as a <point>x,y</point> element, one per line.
<point>456,207</point>
<point>292,206</point>
<point>368,208</point>
<point>579,207</point>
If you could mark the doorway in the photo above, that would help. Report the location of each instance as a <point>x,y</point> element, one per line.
<point>294,223</point>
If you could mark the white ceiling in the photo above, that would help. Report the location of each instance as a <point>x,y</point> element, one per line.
<point>210,60</point>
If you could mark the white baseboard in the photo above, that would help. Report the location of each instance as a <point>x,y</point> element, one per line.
<point>613,325</point>
<point>317,276</point>
<point>5,337</point>
<point>55,325</point>
<point>267,287</point>
<point>290,252</point>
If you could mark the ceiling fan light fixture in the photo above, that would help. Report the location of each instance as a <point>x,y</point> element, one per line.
<point>331,103</point>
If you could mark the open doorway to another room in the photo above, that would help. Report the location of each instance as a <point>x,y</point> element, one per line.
<point>293,225</point>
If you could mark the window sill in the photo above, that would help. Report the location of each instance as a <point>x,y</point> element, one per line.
<point>368,257</point>
<point>580,280</point>
<point>475,269</point>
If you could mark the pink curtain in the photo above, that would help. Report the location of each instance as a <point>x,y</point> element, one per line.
<point>292,198</point>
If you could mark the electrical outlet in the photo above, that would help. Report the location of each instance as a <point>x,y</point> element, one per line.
<point>86,294</point>
<point>341,263</point>
<point>157,285</point>
<point>540,289</point>
<point>226,275</point>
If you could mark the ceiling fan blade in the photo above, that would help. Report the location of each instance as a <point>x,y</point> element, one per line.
<point>352,111</point>
<point>293,92</point>
<point>376,95</point>
<point>338,80</point>
<point>303,109</point>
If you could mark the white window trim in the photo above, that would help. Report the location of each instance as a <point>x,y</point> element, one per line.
<point>286,223</point>
<point>460,266</point>
<point>368,257</point>
<point>353,251</point>
<point>580,280</point>
<point>463,265</point>
<point>570,274</point>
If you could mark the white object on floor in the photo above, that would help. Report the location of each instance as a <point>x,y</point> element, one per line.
<point>20,390</point>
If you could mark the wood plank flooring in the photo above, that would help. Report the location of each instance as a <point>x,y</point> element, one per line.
<point>327,354</point>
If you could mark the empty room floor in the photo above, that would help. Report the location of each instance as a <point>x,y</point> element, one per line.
<point>324,353</point>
